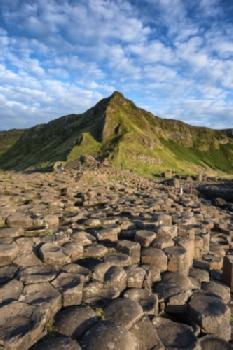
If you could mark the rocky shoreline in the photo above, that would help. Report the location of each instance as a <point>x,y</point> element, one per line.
<point>109,260</point>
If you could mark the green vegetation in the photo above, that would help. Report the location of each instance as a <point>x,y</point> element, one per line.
<point>8,139</point>
<point>128,136</point>
<point>231,319</point>
<point>99,312</point>
<point>88,146</point>
<point>50,327</point>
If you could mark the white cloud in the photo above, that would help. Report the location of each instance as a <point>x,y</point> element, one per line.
<point>62,56</point>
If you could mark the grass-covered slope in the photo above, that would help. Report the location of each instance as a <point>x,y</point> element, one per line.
<point>8,139</point>
<point>128,136</point>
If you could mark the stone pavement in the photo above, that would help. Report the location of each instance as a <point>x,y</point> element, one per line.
<point>109,260</point>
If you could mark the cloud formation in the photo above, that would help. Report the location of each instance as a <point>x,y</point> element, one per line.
<point>173,57</point>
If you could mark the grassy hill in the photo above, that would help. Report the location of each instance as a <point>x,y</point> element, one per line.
<point>128,136</point>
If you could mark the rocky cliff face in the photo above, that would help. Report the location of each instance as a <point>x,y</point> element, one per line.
<point>130,137</point>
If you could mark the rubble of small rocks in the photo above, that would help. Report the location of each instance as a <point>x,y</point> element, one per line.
<point>110,260</point>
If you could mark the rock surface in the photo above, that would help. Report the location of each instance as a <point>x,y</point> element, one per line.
<point>105,259</point>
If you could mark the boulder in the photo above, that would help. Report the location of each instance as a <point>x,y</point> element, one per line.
<point>8,253</point>
<point>136,276</point>
<point>21,326</point>
<point>145,238</point>
<point>106,335</point>
<point>10,291</point>
<point>118,259</point>
<point>108,234</point>
<point>53,254</point>
<point>115,280</point>
<point>38,274</point>
<point>210,342</point>
<point>211,314</point>
<point>93,292</point>
<point>147,300</point>
<point>74,321</point>
<point>45,296</point>
<point>73,250</point>
<point>19,220</point>
<point>155,257</point>
<point>199,275</point>
<point>57,342</point>
<point>175,335</point>
<point>176,260</point>
<point>7,273</point>
<point>146,335</point>
<point>228,271</point>
<point>133,249</point>
<point>95,251</point>
<point>71,287</point>
<point>172,284</point>
<point>123,312</point>
<point>217,289</point>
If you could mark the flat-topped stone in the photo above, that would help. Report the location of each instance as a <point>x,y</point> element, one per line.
<point>108,234</point>
<point>175,335</point>
<point>45,296</point>
<point>70,286</point>
<point>38,274</point>
<point>7,273</point>
<point>106,335</point>
<point>146,335</point>
<point>95,251</point>
<point>10,291</point>
<point>57,342</point>
<point>19,220</point>
<point>217,289</point>
<point>176,260</point>
<point>74,321</point>
<point>155,257</point>
<point>210,342</point>
<point>123,312</point>
<point>133,249</point>
<point>145,238</point>
<point>21,326</point>
<point>53,254</point>
<point>211,314</point>
<point>118,259</point>
<point>147,300</point>
<point>11,232</point>
<point>8,253</point>
<point>172,284</point>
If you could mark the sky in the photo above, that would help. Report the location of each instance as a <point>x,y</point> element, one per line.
<point>171,57</point>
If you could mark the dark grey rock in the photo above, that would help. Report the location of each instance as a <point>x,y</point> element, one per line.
<point>57,342</point>
<point>7,273</point>
<point>211,314</point>
<point>73,321</point>
<point>123,312</point>
<point>21,326</point>
<point>211,342</point>
<point>217,289</point>
<point>146,335</point>
<point>106,335</point>
<point>174,335</point>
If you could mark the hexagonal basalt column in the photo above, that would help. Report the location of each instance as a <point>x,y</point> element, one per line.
<point>176,260</point>
<point>228,271</point>
<point>211,314</point>
<point>155,257</point>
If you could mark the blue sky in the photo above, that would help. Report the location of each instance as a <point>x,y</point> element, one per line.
<point>172,57</point>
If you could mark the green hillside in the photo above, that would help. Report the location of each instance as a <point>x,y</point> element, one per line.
<point>128,136</point>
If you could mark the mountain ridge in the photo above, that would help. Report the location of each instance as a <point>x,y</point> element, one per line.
<point>114,129</point>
